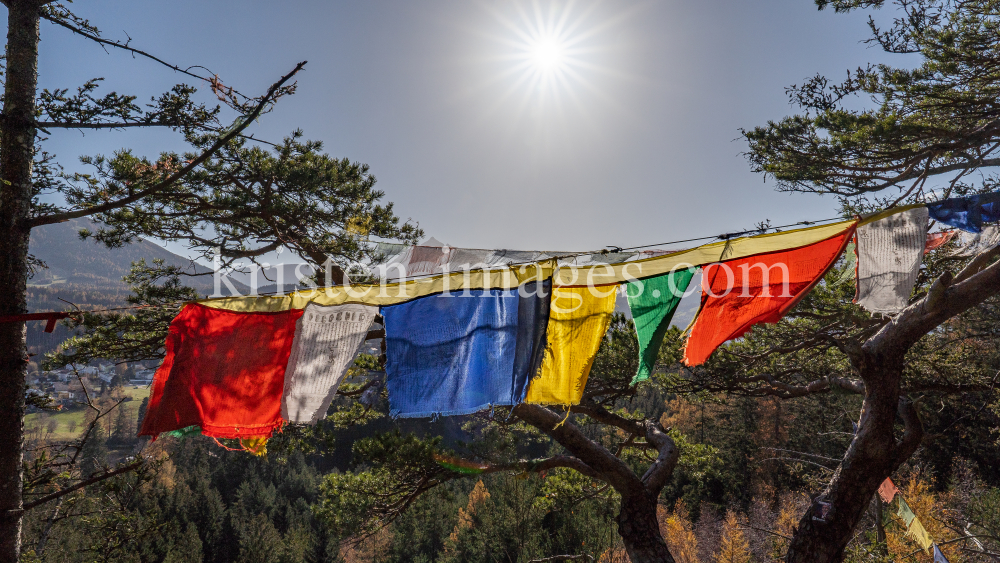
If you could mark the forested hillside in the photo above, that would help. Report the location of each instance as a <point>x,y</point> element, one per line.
<point>203,503</point>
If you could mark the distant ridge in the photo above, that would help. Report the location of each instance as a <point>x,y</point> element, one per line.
<point>86,263</point>
<point>89,275</point>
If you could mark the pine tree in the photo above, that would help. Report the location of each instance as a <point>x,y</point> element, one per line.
<point>885,136</point>
<point>734,547</point>
<point>219,197</point>
<point>187,547</point>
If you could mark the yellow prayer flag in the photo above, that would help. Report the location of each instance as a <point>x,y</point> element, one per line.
<point>256,445</point>
<point>920,535</point>
<point>578,319</point>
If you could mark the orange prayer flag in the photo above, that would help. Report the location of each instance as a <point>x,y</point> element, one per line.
<point>738,294</point>
<point>887,490</point>
<point>937,240</point>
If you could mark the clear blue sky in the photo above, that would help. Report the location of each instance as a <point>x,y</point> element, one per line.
<point>637,143</point>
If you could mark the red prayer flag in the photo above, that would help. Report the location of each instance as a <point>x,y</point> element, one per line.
<point>738,294</point>
<point>938,239</point>
<point>223,371</point>
<point>887,490</point>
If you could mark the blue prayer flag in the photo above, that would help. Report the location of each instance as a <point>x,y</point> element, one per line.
<point>967,213</point>
<point>460,353</point>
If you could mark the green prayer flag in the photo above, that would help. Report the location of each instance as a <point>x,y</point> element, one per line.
<point>184,432</point>
<point>653,302</point>
<point>850,264</point>
<point>903,511</point>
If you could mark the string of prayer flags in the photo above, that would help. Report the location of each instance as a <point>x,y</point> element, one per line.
<point>223,372</point>
<point>973,244</point>
<point>889,255</point>
<point>458,354</point>
<point>738,294</point>
<point>652,303</point>
<point>887,490</point>
<point>967,213</point>
<point>326,341</point>
<point>938,239</point>
<point>238,367</point>
<point>578,320</point>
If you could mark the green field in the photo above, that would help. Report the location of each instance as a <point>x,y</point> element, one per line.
<point>64,419</point>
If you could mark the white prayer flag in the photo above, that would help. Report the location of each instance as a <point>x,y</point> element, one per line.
<point>889,255</point>
<point>972,244</point>
<point>326,340</point>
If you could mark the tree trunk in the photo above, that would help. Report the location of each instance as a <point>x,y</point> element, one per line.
<point>17,138</point>
<point>872,457</point>
<point>640,531</point>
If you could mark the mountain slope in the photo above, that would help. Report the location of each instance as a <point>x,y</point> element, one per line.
<point>85,263</point>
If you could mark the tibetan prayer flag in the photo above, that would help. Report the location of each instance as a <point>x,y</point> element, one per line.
<point>468,259</point>
<point>738,294</point>
<point>967,213</point>
<point>652,303</point>
<point>458,353</point>
<point>533,309</point>
<point>223,371</point>
<point>326,340</point>
<point>425,260</point>
<point>919,534</point>
<point>889,255</point>
<point>903,511</point>
<point>938,556</point>
<point>578,319</point>
<point>256,445</point>
<point>850,264</point>
<point>460,465</point>
<point>973,244</point>
<point>938,239</point>
<point>184,432</point>
<point>887,490</point>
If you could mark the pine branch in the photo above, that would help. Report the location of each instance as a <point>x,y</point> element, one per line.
<point>173,178</point>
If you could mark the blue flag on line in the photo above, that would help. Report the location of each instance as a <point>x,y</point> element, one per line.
<point>464,352</point>
<point>967,213</point>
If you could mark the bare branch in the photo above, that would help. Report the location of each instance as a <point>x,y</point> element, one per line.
<point>82,484</point>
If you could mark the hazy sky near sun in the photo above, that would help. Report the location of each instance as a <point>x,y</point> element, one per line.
<point>630,136</point>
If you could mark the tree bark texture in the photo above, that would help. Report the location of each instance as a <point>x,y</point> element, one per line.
<point>17,138</point>
<point>640,531</point>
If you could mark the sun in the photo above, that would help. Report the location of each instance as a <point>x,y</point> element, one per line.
<point>552,54</point>
<point>547,54</point>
